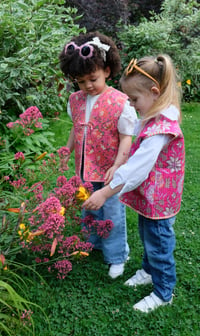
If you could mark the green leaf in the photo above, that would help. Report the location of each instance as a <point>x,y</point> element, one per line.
<point>4,65</point>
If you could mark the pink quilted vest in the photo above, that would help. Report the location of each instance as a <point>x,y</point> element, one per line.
<point>159,196</point>
<point>102,136</point>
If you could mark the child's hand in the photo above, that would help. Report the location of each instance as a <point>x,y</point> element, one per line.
<point>95,201</point>
<point>109,174</point>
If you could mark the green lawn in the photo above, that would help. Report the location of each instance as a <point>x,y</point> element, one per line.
<point>89,303</point>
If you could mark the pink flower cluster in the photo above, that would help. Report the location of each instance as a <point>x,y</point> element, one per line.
<point>101,227</point>
<point>53,221</point>
<point>61,180</point>
<point>18,183</point>
<point>26,317</point>
<point>72,244</point>
<point>63,267</point>
<point>104,227</point>
<point>66,190</point>
<point>50,206</point>
<point>63,152</point>
<point>55,226</point>
<point>19,156</point>
<point>28,120</point>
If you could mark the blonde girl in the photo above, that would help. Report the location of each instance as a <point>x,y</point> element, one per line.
<point>151,182</point>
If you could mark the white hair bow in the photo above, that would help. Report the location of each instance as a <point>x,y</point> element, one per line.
<point>103,47</point>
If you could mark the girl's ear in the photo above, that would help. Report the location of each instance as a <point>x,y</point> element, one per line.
<point>107,71</point>
<point>155,91</point>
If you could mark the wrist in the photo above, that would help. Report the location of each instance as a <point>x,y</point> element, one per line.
<point>107,191</point>
<point>116,165</point>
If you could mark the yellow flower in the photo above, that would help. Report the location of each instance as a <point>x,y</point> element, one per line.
<point>62,211</point>
<point>22,226</point>
<point>82,194</point>
<point>188,81</point>
<point>22,230</point>
<point>41,156</point>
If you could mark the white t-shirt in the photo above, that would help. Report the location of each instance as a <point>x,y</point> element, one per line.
<point>126,122</point>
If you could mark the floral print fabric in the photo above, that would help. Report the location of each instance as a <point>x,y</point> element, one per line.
<point>101,141</point>
<point>159,196</point>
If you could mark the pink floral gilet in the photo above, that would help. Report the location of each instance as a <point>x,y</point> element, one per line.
<point>159,196</point>
<point>102,137</point>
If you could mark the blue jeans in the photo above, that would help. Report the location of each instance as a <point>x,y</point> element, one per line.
<point>115,248</point>
<point>158,239</point>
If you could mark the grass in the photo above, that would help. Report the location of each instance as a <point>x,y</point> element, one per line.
<point>89,303</point>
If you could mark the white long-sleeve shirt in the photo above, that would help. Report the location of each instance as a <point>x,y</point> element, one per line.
<point>137,168</point>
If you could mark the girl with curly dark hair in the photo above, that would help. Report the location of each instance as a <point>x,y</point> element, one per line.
<point>103,123</point>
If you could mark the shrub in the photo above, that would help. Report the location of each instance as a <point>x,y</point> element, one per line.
<point>43,219</point>
<point>100,15</point>
<point>32,34</point>
<point>175,32</point>
<point>29,134</point>
<point>104,15</point>
<point>41,207</point>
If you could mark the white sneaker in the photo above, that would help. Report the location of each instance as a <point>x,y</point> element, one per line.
<point>149,303</point>
<point>116,270</point>
<point>140,278</point>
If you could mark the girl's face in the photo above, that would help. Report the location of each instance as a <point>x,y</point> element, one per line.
<point>142,101</point>
<point>95,82</point>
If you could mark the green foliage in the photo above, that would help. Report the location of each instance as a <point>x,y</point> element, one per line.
<point>175,32</point>
<point>32,35</point>
<point>29,134</point>
<point>16,310</point>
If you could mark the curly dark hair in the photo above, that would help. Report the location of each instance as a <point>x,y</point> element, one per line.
<point>73,65</point>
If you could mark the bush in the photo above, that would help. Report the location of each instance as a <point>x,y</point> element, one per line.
<point>104,15</point>
<point>175,32</point>
<point>32,34</point>
<point>40,206</point>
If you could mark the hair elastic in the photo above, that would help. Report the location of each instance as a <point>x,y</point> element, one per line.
<point>133,65</point>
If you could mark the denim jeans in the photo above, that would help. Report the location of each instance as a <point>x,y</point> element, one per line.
<point>158,239</point>
<point>115,248</point>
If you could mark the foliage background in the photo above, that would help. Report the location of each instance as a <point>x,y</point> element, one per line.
<point>32,35</point>
<point>175,31</point>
